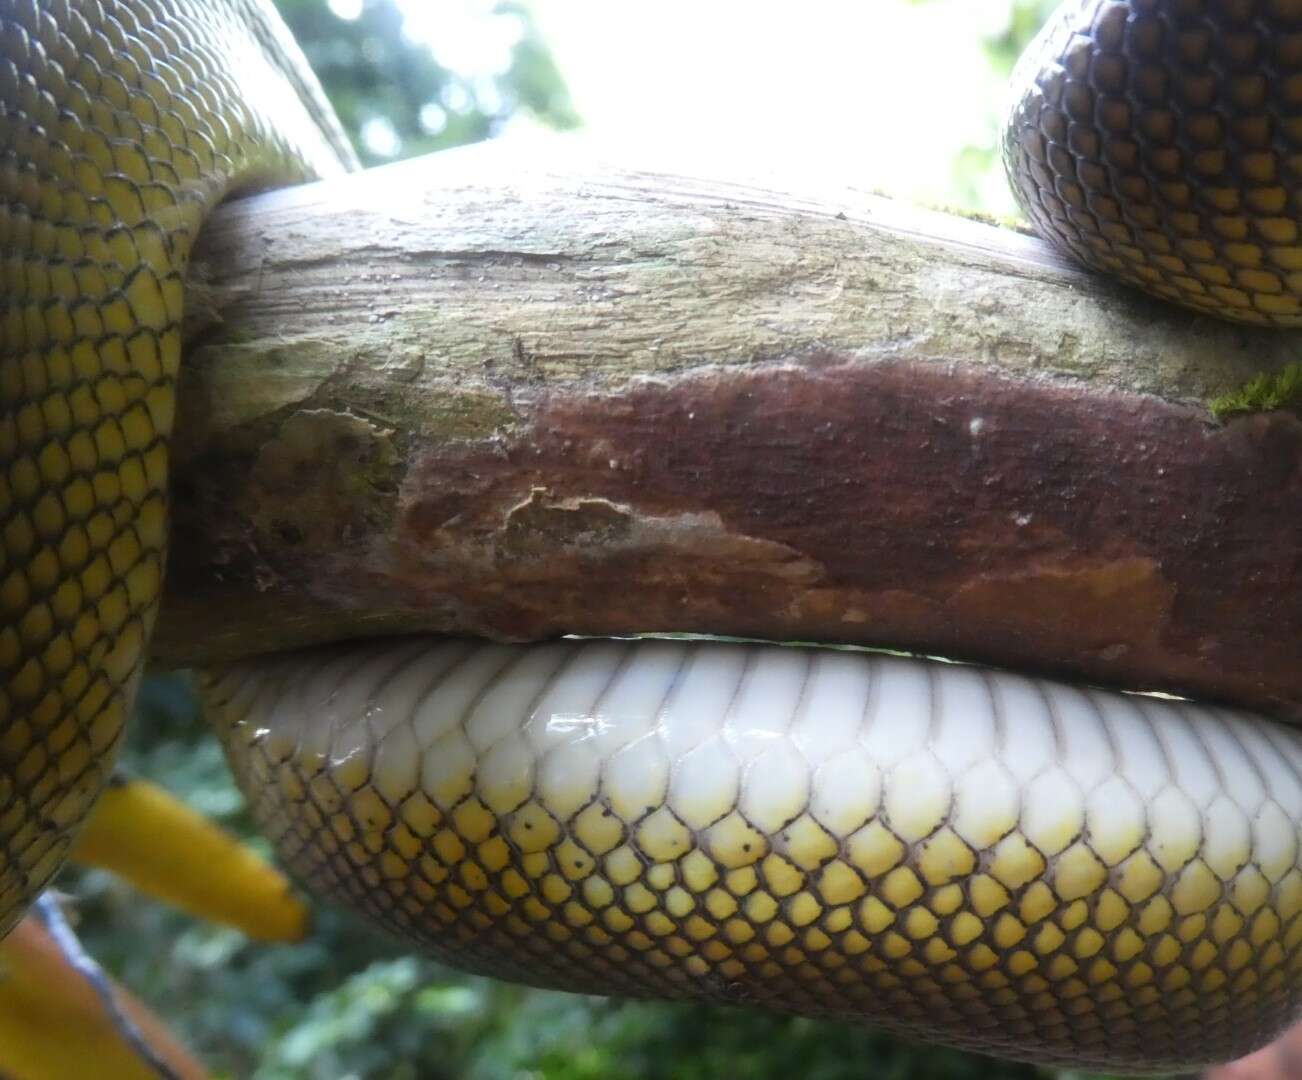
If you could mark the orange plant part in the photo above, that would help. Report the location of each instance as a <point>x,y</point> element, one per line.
<point>53,1025</point>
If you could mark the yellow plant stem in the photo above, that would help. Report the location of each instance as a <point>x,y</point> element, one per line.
<point>165,849</point>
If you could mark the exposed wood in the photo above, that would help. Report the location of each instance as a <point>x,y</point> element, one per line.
<point>491,396</point>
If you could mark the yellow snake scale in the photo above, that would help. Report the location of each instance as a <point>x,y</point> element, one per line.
<point>1027,868</point>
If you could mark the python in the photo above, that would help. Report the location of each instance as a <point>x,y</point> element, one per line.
<point>1043,871</point>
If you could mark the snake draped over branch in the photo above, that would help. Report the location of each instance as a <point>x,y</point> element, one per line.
<point>1005,863</point>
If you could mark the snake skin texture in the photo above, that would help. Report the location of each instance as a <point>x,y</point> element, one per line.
<point>1161,141</point>
<point>1011,865</point>
<point>122,122</point>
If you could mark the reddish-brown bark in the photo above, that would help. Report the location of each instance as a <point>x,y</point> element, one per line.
<point>478,466</point>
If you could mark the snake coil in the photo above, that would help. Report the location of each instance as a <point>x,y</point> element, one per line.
<point>1047,872</point>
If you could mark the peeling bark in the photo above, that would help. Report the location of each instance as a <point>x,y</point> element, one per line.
<point>469,396</point>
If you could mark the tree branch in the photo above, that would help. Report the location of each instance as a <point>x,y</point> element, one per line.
<point>485,395</point>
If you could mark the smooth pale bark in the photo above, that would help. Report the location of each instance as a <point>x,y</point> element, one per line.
<point>488,394</point>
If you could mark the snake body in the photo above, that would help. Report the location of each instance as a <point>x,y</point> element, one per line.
<point>123,124</point>
<point>1015,865</point>
<point>1026,868</point>
<point>1160,141</point>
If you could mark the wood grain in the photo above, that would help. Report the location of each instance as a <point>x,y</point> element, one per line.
<point>504,396</point>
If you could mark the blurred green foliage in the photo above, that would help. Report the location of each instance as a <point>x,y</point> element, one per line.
<point>1025,17</point>
<point>1006,42</point>
<point>349,1002</point>
<point>385,85</point>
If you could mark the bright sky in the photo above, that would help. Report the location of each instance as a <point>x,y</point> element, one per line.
<point>833,89</point>
<point>879,94</point>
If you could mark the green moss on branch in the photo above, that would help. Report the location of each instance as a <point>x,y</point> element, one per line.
<point>1270,390</point>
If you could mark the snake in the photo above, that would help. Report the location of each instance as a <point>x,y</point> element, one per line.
<point>1019,866</point>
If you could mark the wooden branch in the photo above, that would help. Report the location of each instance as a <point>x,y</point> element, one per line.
<point>486,395</point>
